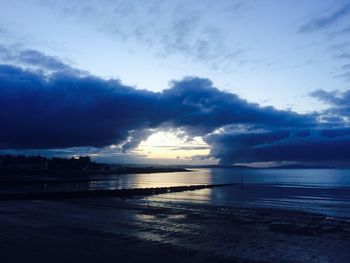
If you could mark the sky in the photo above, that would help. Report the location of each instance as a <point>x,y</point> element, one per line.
<point>178,81</point>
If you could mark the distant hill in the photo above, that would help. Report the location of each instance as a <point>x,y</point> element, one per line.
<point>218,166</point>
<point>287,166</point>
<point>302,166</point>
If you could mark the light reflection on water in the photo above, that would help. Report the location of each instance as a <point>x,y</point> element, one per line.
<point>312,190</point>
<point>121,181</point>
<point>318,190</point>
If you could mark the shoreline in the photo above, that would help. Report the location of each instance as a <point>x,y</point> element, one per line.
<point>13,176</point>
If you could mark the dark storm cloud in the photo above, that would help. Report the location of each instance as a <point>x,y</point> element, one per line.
<point>195,104</point>
<point>329,141</point>
<point>67,110</point>
<point>281,145</point>
<point>326,21</point>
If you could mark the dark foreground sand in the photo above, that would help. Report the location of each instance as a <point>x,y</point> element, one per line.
<point>132,230</point>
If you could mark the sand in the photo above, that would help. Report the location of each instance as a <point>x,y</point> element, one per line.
<point>135,230</point>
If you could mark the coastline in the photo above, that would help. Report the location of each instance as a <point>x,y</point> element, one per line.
<point>134,229</point>
<point>17,175</point>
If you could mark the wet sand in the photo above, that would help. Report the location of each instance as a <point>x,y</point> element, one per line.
<point>134,230</point>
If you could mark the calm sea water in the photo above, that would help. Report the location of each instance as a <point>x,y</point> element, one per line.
<point>324,191</point>
<point>311,190</point>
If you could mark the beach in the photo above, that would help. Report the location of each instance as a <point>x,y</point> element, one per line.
<point>174,131</point>
<point>138,229</point>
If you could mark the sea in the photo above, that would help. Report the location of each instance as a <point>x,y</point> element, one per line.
<point>325,191</point>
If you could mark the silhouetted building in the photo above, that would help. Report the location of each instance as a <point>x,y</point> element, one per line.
<point>22,162</point>
<point>39,163</point>
<point>80,163</point>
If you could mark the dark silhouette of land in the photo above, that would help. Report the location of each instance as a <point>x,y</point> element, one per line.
<point>286,166</point>
<point>22,165</point>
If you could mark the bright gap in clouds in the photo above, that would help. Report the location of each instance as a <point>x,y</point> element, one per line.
<point>168,145</point>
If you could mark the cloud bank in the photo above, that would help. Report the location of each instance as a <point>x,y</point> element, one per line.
<point>67,109</point>
<point>313,146</point>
